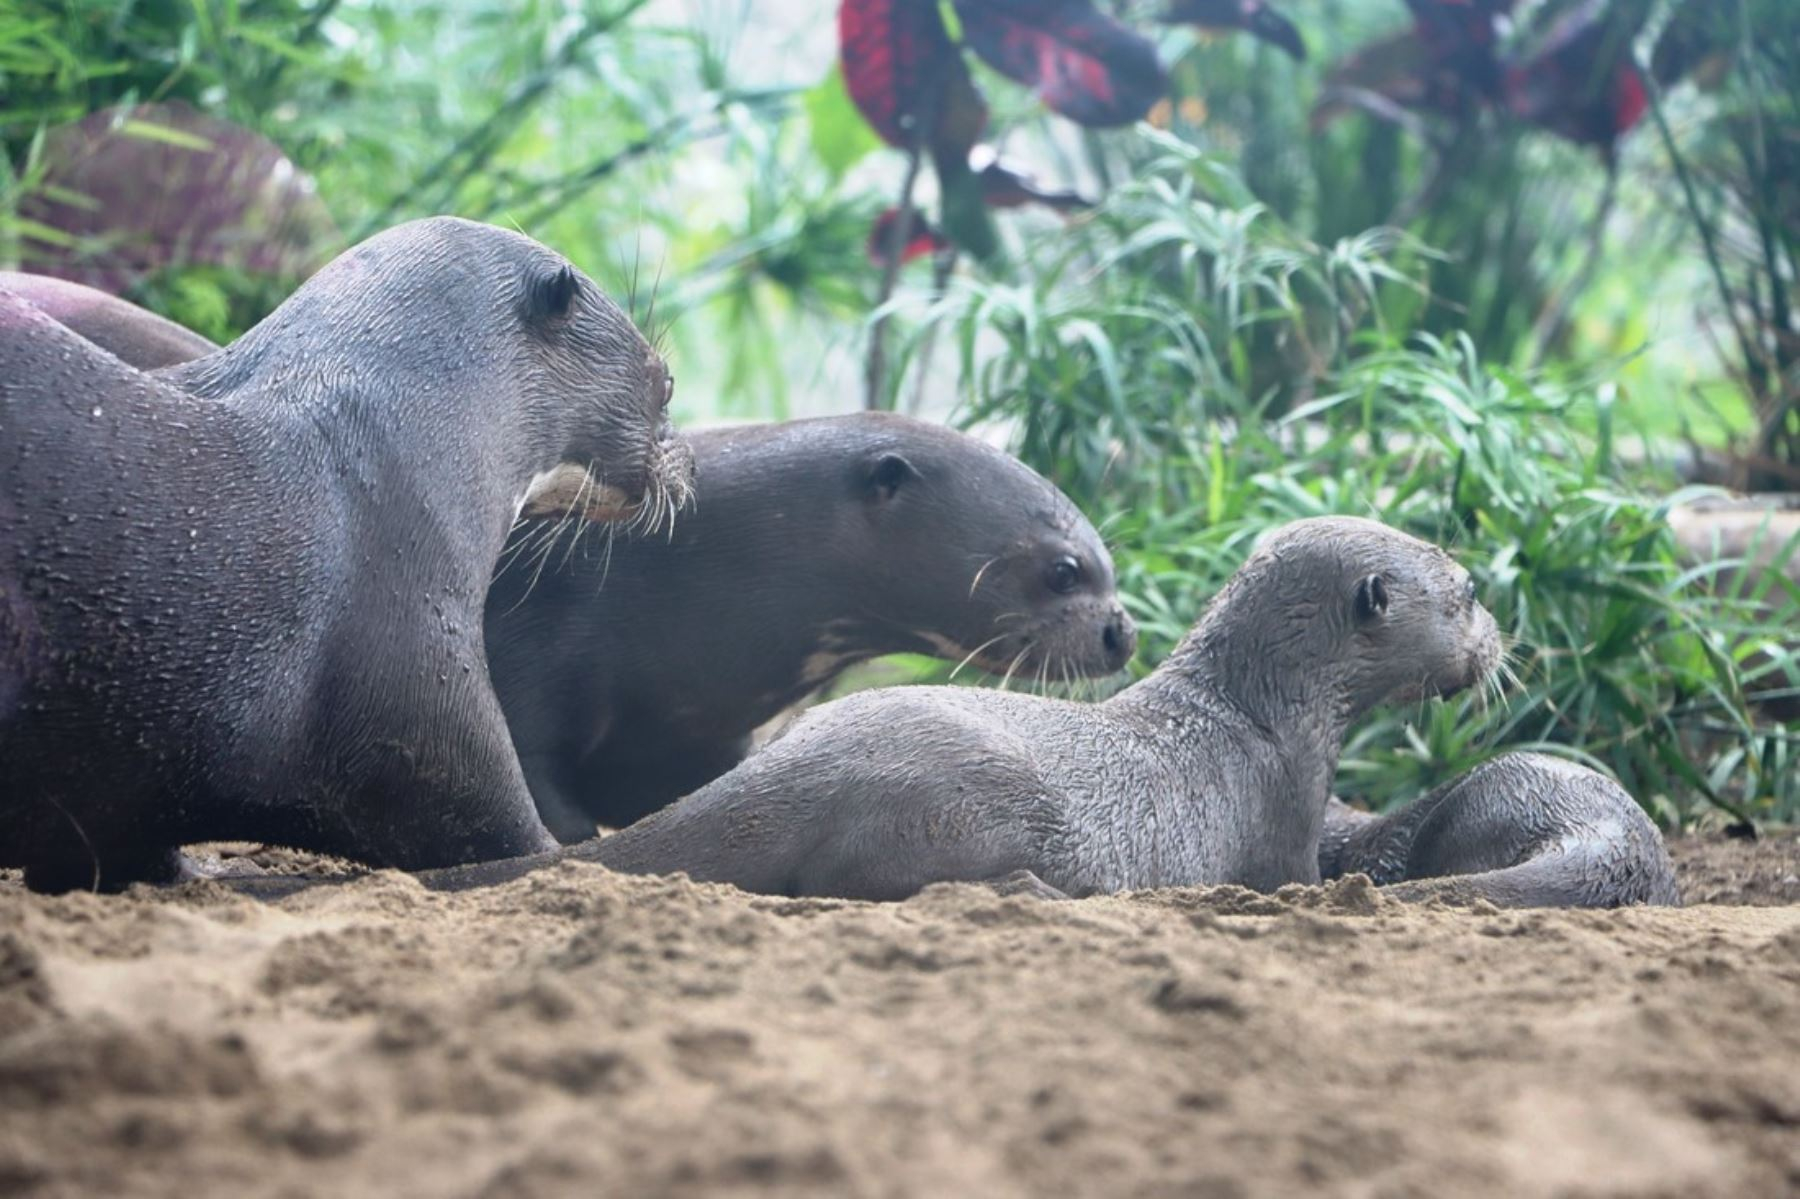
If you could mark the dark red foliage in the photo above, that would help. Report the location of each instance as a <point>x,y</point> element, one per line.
<point>921,238</point>
<point>1005,185</point>
<point>1252,16</point>
<point>896,57</point>
<point>136,204</point>
<point>1080,62</point>
<point>1697,40</point>
<point>1460,40</point>
<point>1581,83</point>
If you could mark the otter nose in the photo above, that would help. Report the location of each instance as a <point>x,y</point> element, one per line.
<point>1119,638</point>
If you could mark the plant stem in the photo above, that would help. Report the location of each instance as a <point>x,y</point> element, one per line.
<point>478,145</point>
<point>1691,196</point>
<point>1555,319</point>
<point>941,269</point>
<point>875,368</point>
<point>551,196</point>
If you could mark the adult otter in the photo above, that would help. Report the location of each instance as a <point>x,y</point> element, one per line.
<point>141,338</point>
<point>1214,769</point>
<point>1520,831</point>
<point>243,599</point>
<point>632,676</point>
<point>817,544</point>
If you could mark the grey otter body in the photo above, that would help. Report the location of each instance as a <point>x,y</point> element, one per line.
<point>243,599</point>
<point>1523,830</point>
<point>141,338</point>
<point>1214,769</point>
<point>634,674</point>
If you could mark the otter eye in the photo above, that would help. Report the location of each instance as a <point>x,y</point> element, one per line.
<point>1469,590</point>
<point>1063,576</point>
<point>668,389</point>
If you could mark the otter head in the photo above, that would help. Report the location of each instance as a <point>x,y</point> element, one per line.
<point>1394,617</point>
<point>979,558</point>
<point>600,394</point>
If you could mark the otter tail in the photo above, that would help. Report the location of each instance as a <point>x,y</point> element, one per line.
<point>1523,830</point>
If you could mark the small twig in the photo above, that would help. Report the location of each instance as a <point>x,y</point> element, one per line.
<point>875,368</point>
<point>1691,196</point>
<point>941,270</point>
<point>479,144</point>
<point>1555,318</point>
<point>553,195</point>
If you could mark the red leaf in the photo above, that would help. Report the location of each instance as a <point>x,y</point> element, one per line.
<point>1080,63</point>
<point>896,56</point>
<point>1581,83</point>
<point>921,238</point>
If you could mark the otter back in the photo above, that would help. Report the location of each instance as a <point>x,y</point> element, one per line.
<point>243,600</point>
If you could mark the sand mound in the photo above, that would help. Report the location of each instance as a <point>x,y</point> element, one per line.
<point>576,1032</point>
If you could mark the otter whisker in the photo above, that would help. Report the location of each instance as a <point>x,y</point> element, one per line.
<point>536,545</point>
<point>979,573</point>
<point>1007,677</point>
<point>972,653</point>
<point>587,481</point>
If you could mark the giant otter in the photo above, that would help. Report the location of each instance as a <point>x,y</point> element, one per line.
<point>633,674</point>
<point>1523,830</point>
<point>243,599</point>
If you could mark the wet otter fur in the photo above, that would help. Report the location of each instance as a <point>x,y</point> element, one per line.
<point>1214,769</point>
<point>634,674</point>
<point>141,338</point>
<point>242,599</point>
<point>1521,831</point>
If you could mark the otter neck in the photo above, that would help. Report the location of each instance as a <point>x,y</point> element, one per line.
<point>439,428</point>
<point>762,497</point>
<point>1282,674</point>
<point>1285,698</point>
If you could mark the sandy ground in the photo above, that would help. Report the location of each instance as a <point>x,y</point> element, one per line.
<point>577,1032</point>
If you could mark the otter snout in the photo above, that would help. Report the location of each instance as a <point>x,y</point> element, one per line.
<point>1087,639</point>
<point>1118,640</point>
<point>1486,652</point>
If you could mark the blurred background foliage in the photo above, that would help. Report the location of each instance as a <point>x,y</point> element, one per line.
<point>1284,294</point>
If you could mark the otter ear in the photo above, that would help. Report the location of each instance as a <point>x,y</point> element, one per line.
<point>1371,599</point>
<point>552,295</point>
<point>886,474</point>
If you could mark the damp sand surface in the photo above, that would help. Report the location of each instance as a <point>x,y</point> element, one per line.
<point>581,1033</point>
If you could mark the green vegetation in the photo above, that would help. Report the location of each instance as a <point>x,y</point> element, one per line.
<point>1464,325</point>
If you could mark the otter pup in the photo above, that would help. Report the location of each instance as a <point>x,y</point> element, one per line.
<point>243,599</point>
<point>1214,769</point>
<point>1521,831</point>
<point>632,676</point>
